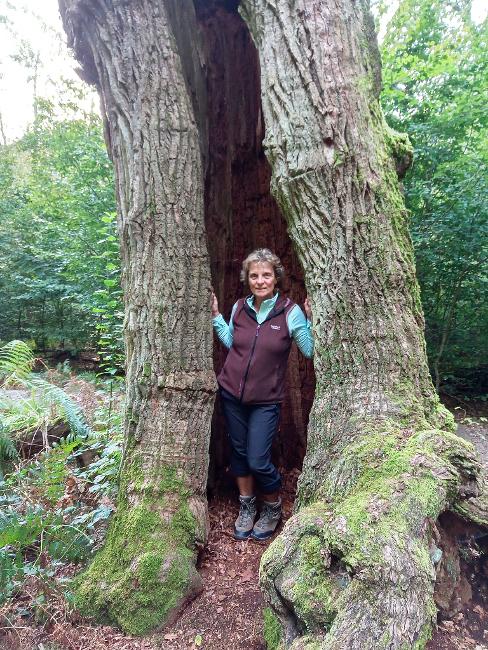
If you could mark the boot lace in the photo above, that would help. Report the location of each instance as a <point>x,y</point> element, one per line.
<point>246,512</point>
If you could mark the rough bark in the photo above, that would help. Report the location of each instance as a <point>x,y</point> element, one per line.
<point>355,567</point>
<point>147,60</point>
<point>138,54</point>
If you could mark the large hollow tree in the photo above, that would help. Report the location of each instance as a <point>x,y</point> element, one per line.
<point>355,567</point>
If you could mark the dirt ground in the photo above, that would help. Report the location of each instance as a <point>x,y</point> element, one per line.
<point>227,615</point>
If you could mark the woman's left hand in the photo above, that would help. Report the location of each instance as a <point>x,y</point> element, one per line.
<point>214,305</point>
<point>307,306</point>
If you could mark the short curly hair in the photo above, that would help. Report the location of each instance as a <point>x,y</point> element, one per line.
<point>263,255</point>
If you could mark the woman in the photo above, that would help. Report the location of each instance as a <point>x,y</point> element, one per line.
<point>259,336</point>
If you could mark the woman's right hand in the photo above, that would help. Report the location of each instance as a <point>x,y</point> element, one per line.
<point>214,305</point>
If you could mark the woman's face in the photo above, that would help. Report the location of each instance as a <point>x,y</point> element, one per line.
<point>262,280</point>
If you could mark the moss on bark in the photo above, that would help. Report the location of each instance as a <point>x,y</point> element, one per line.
<point>146,570</point>
<point>271,630</point>
<point>364,536</point>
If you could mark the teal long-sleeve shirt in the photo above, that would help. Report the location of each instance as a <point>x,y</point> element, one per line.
<point>299,327</point>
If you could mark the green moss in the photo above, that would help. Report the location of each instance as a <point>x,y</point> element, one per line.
<point>274,551</point>
<point>399,145</point>
<point>409,403</point>
<point>372,507</point>
<point>147,564</point>
<point>443,418</point>
<point>315,594</point>
<point>272,629</point>
<point>132,475</point>
<point>146,370</point>
<point>169,481</point>
<point>390,484</point>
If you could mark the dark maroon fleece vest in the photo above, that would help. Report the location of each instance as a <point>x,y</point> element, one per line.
<point>255,368</point>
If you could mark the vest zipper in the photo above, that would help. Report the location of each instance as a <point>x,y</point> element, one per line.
<point>249,362</point>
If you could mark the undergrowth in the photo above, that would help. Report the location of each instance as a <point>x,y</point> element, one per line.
<point>55,505</point>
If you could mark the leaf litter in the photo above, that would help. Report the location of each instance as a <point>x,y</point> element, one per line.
<point>226,615</point>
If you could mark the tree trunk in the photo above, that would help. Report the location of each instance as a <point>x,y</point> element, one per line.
<point>355,567</point>
<point>138,56</point>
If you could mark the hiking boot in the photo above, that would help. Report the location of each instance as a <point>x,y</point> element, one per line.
<point>268,521</point>
<point>245,520</point>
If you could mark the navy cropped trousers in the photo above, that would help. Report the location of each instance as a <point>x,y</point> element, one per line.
<point>251,429</point>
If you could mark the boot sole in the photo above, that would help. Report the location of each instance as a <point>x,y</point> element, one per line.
<point>240,536</point>
<point>261,537</point>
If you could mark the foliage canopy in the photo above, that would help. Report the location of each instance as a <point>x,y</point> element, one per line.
<point>435,71</point>
<point>59,260</point>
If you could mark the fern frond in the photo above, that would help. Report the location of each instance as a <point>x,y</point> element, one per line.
<point>67,407</point>
<point>8,450</point>
<point>16,362</point>
<point>21,414</point>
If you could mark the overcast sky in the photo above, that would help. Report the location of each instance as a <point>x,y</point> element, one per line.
<point>38,23</point>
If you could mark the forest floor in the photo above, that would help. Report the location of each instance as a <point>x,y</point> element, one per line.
<point>227,615</point>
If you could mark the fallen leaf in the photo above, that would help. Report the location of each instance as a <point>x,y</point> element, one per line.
<point>247,575</point>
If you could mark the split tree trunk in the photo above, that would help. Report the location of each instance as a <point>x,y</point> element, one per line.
<point>146,570</point>
<point>355,567</point>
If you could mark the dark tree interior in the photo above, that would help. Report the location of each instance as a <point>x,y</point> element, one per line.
<point>241,214</point>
